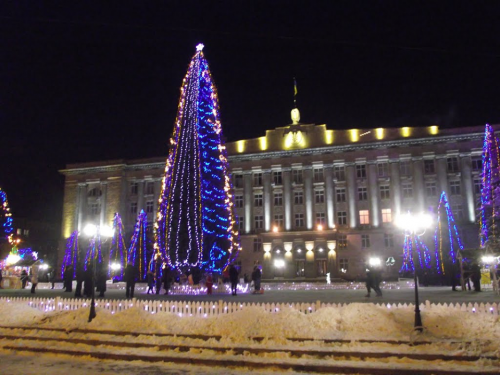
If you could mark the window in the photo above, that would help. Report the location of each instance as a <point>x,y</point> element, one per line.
<point>383,169</point>
<point>429,167</point>
<point>134,188</point>
<point>385,192</point>
<point>277,178</point>
<point>318,174</point>
<point>343,265</point>
<point>299,220</point>
<point>455,188</point>
<point>297,176</point>
<point>386,215</point>
<point>477,164</point>
<point>319,196</point>
<point>149,206</point>
<point>342,241</point>
<point>133,207</point>
<point>95,192</point>
<point>364,217</point>
<point>241,223</point>
<point>257,245</point>
<point>361,171</point>
<point>430,188</point>
<point>320,218</point>
<point>298,197</point>
<point>458,211</point>
<point>95,208</point>
<point>365,241</point>
<point>339,172</point>
<point>259,222</point>
<point>405,168</point>
<point>278,199</point>
<point>300,267</point>
<point>150,188</point>
<point>452,164</point>
<point>238,199</point>
<point>342,218</point>
<point>340,195</point>
<point>278,220</point>
<point>389,240</point>
<point>407,190</point>
<point>321,267</point>
<point>257,200</point>
<point>257,179</point>
<point>362,194</point>
<point>238,180</point>
<point>478,185</point>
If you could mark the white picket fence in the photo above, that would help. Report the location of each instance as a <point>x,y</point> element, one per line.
<point>206,309</point>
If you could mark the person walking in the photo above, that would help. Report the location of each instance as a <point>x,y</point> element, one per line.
<point>52,278</point>
<point>233,277</point>
<point>167,278</point>
<point>130,277</point>
<point>373,278</point>
<point>101,279</point>
<point>35,270</point>
<point>24,278</point>
<point>68,278</point>
<point>256,278</point>
<point>150,277</point>
<point>80,277</point>
<point>88,283</point>
<point>209,282</point>
<point>158,277</point>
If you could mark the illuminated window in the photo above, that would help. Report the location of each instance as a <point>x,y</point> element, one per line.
<point>386,215</point>
<point>318,174</point>
<point>362,194</point>
<point>257,200</point>
<point>430,189</point>
<point>277,178</point>
<point>383,169</point>
<point>298,197</point>
<point>320,218</point>
<point>299,220</point>
<point>365,241</point>
<point>364,217</point>
<point>455,188</point>
<point>407,190</point>
<point>278,220</point>
<point>389,240</point>
<point>339,172</point>
<point>340,194</point>
<point>297,176</point>
<point>257,179</point>
<point>342,241</point>
<point>385,192</point>
<point>238,201</point>
<point>149,206</point>
<point>429,167</point>
<point>319,196</point>
<point>259,222</point>
<point>361,171</point>
<point>452,164</point>
<point>278,199</point>
<point>342,218</point>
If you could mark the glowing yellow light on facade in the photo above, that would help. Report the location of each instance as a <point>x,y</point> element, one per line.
<point>275,229</point>
<point>379,133</point>
<point>434,129</point>
<point>263,143</point>
<point>406,131</point>
<point>294,140</point>
<point>354,135</point>
<point>240,146</point>
<point>329,137</point>
<point>320,227</point>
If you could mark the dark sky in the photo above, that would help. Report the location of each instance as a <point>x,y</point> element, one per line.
<point>99,80</point>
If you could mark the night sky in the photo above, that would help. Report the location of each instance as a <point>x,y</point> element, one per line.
<point>98,80</point>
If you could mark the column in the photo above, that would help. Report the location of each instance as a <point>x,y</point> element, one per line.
<point>373,195</point>
<point>248,197</point>
<point>104,193</point>
<point>157,192</point>
<point>308,192</point>
<point>418,186</point>
<point>82,194</point>
<point>140,196</point>
<point>465,160</point>
<point>287,198</point>
<point>395,187</point>
<point>442,174</point>
<point>266,180</point>
<point>330,219</point>
<point>351,195</point>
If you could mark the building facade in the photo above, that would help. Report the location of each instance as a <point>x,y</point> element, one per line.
<point>309,200</point>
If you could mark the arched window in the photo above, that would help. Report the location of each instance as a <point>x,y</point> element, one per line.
<point>95,192</point>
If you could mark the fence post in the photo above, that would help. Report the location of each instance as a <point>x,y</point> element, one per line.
<point>56,304</point>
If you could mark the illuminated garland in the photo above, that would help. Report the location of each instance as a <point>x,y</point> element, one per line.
<point>137,253</point>
<point>71,253</point>
<point>491,178</point>
<point>196,224</point>
<point>94,251</point>
<point>412,245</point>
<point>438,242</point>
<point>118,251</point>
<point>6,218</point>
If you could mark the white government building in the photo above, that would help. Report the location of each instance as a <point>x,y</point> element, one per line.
<point>309,200</point>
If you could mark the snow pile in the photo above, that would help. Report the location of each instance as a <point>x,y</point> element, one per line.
<point>353,322</point>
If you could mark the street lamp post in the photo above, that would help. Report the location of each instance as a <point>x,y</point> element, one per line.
<point>95,232</point>
<point>415,226</point>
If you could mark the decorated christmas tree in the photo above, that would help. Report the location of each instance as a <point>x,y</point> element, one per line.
<point>138,251</point>
<point>6,229</point>
<point>195,225</point>
<point>118,250</point>
<point>71,253</point>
